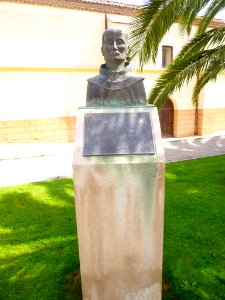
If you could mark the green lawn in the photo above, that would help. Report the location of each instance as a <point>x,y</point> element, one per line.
<point>38,242</point>
<point>194,236</point>
<point>38,248</point>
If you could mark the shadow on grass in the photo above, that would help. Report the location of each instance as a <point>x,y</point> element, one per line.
<point>39,250</point>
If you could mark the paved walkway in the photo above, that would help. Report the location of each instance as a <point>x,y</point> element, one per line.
<point>193,147</point>
<point>24,163</point>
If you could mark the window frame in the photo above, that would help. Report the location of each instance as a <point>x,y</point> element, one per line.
<point>164,65</point>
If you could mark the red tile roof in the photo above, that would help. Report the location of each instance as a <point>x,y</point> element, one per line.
<point>103,6</point>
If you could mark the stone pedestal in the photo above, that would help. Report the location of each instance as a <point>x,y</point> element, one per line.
<point>119,211</point>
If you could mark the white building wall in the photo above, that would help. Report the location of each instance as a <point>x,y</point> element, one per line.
<point>214,94</point>
<point>39,36</point>
<point>46,55</point>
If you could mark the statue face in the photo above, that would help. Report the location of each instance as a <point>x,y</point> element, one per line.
<point>114,45</point>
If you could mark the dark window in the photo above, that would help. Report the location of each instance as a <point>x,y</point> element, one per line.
<point>167,55</point>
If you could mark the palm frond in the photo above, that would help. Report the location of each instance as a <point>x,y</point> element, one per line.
<point>190,12</point>
<point>213,37</point>
<point>149,27</point>
<point>216,65</point>
<point>203,56</point>
<point>212,10</point>
<point>183,69</point>
<point>155,19</point>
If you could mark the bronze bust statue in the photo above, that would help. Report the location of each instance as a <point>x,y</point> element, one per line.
<point>115,85</point>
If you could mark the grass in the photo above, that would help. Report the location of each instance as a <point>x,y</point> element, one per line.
<point>38,248</point>
<point>38,241</point>
<point>194,237</point>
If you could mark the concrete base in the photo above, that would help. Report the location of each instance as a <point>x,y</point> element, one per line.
<point>119,209</point>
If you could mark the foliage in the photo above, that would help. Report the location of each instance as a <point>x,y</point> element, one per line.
<point>203,56</point>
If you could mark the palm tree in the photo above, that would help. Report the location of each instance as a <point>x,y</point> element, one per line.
<point>203,56</point>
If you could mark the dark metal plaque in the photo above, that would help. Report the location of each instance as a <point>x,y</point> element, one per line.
<point>118,134</point>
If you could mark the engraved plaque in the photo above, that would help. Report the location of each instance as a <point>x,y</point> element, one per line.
<point>118,134</point>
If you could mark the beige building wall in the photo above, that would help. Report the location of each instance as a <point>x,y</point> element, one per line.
<point>46,56</point>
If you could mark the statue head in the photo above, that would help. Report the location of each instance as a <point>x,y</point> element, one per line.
<point>114,47</point>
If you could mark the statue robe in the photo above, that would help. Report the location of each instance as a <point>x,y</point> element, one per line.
<point>111,88</point>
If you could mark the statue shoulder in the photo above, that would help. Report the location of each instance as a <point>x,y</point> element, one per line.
<point>133,79</point>
<point>97,80</point>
